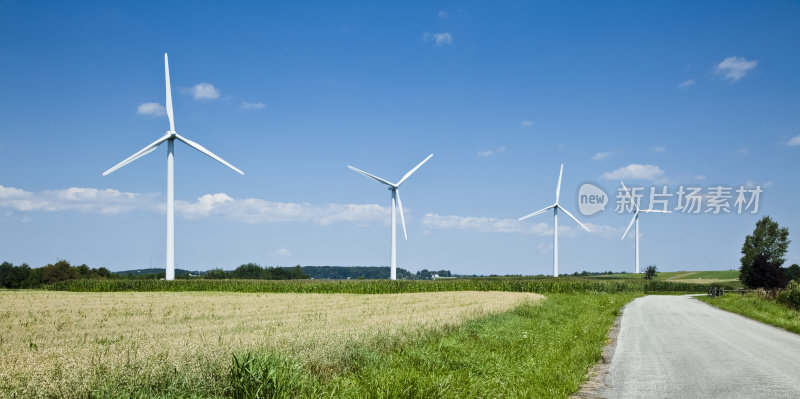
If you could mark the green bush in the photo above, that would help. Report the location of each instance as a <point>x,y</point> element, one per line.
<point>791,295</point>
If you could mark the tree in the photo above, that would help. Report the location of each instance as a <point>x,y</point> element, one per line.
<point>793,272</point>
<point>765,249</point>
<point>216,274</point>
<point>763,273</point>
<point>249,271</point>
<point>650,272</point>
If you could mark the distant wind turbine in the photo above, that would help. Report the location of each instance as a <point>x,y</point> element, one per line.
<point>635,219</point>
<point>394,188</point>
<point>170,137</point>
<point>555,207</point>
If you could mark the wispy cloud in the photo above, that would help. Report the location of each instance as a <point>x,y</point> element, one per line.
<point>658,148</point>
<point>743,151</point>
<point>87,200</point>
<point>686,84</point>
<point>794,141</point>
<point>526,124</point>
<point>488,153</point>
<point>153,109</point>
<point>600,156</point>
<point>219,205</point>
<point>283,252</point>
<point>484,224</point>
<point>443,14</point>
<point>247,105</point>
<point>439,39</point>
<point>734,68</point>
<point>635,171</point>
<point>203,91</point>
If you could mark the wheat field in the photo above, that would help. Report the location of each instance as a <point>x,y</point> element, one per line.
<point>68,344</point>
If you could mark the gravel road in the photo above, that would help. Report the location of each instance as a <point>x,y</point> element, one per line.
<point>679,347</point>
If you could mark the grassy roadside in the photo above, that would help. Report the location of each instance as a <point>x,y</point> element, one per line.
<point>765,311</point>
<point>533,351</point>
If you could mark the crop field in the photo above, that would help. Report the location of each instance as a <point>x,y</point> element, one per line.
<point>64,344</point>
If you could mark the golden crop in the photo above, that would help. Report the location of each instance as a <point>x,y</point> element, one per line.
<point>66,344</point>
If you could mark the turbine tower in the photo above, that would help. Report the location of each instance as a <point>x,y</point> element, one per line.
<point>394,188</point>
<point>170,136</point>
<point>635,219</point>
<point>555,207</point>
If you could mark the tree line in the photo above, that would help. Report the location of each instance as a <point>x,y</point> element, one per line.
<point>23,276</point>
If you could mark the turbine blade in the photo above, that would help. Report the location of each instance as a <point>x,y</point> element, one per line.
<point>202,149</point>
<point>413,170</point>
<point>654,211</point>
<point>574,218</point>
<point>169,95</point>
<point>537,212</point>
<point>558,188</point>
<point>372,176</point>
<point>629,225</point>
<point>402,218</point>
<point>633,203</point>
<point>144,151</point>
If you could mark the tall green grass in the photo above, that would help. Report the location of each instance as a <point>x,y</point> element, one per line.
<point>562,285</point>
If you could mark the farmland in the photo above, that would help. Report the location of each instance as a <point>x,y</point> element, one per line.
<point>492,337</point>
<point>60,343</point>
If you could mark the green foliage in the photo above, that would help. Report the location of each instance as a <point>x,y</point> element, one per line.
<point>791,295</point>
<point>650,272</point>
<point>767,244</point>
<point>764,274</point>
<point>518,284</point>
<point>536,350</point>
<point>216,274</point>
<point>793,272</point>
<point>266,376</point>
<point>253,271</point>
<point>24,277</point>
<point>751,306</point>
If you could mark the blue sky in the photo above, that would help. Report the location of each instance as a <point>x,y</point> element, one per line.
<point>656,93</point>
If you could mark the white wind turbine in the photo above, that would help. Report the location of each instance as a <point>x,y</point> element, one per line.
<point>555,207</point>
<point>394,188</point>
<point>170,137</point>
<point>635,219</point>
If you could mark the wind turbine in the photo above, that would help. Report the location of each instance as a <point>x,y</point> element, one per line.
<point>555,207</point>
<point>394,188</point>
<point>635,219</point>
<point>170,136</point>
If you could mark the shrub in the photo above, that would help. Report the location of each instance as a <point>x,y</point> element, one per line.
<point>791,295</point>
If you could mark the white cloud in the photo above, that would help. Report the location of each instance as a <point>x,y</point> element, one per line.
<point>247,105</point>
<point>488,153</point>
<point>283,252</point>
<point>203,91</point>
<point>443,14</point>
<point>658,148</point>
<point>686,84</point>
<point>439,39</point>
<point>220,205</point>
<point>600,156</point>
<point>743,151</point>
<point>87,200</point>
<point>154,109</point>
<point>635,171</point>
<point>526,123</point>
<point>700,177</point>
<point>794,141</point>
<point>734,68</point>
<point>482,224</point>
